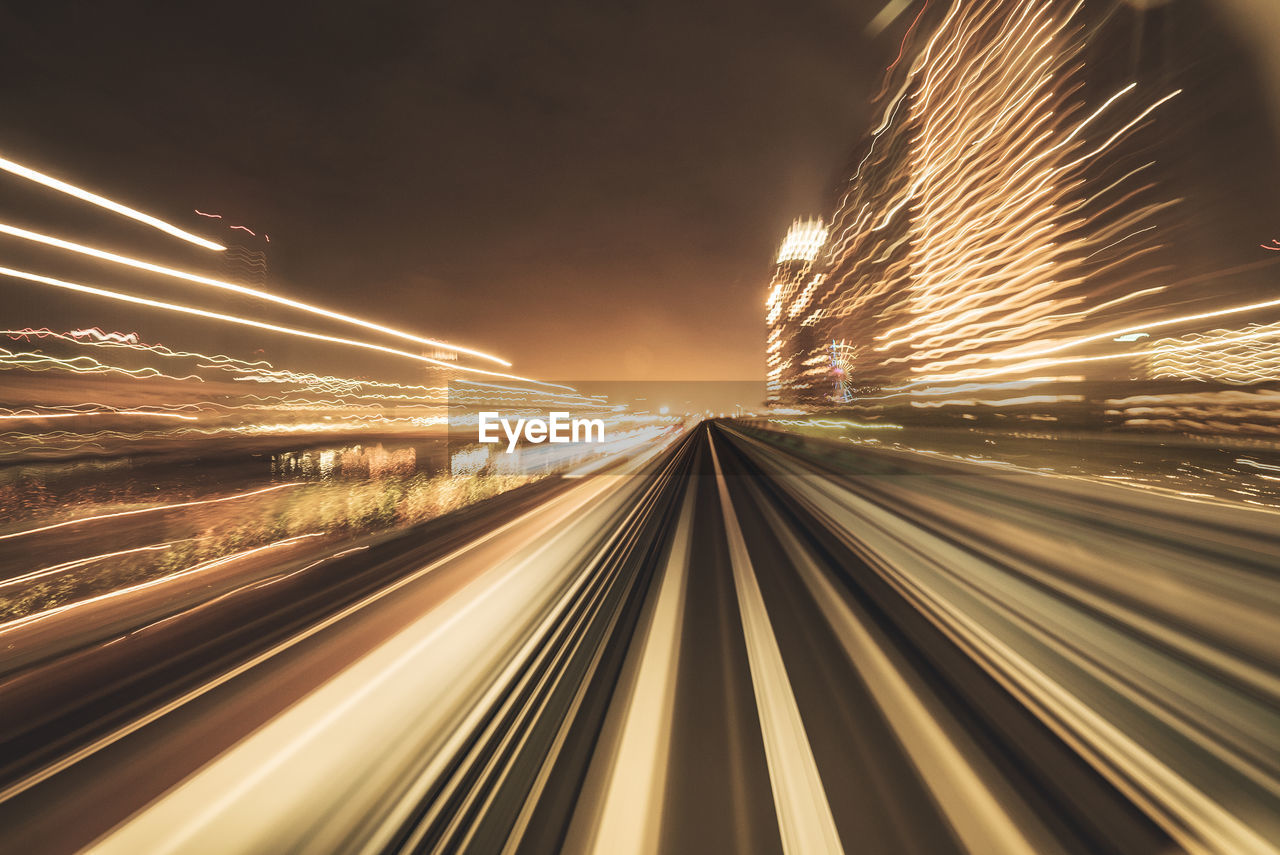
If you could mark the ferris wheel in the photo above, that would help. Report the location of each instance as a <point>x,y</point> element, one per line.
<point>843,360</point>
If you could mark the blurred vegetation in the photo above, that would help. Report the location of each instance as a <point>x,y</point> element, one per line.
<point>336,509</point>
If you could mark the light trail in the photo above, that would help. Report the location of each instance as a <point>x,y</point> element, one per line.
<point>102,202</point>
<point>98,334</point>
<point>97,338</point>
<point>1256,465</point>
<point>31,414</point>
<point>1247,355</point>
<point>9,626</point>
<point>974,228</point>
<point>1001,402</point>
<point>235,319</point>
<point>1128,331</point>
<point>836,424</point>
<point>261,371</point>
<point>45,572</point>
<point>902,49</point>
<point>153,510</point>
<point>258,371</point>
<point>138,264</point>
<point>1035,364</point>
<point>82,365</point>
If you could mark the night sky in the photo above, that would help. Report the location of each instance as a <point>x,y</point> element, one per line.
<point>592,189</point>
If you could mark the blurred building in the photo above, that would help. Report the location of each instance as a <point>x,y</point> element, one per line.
<point>791,376</point>
<point>1005,201</point>
<point>245,266</point>
<point>437,376</point>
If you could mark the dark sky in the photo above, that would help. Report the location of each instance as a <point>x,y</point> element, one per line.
<point>593,189</point>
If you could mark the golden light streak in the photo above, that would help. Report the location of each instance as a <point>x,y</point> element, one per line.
<point>1172,346</point>
<point>972,228</point>
<point>836,424</point>
<point>71,565</point>
<point>81,365</point>
<point>151,510</point>
<point>28,415</point>
<point>95,337</point>
<point>354,405</point>
<point>234,319</point>
<point>102,202</point>
<point>138,264</point>
<point>141,586</point>
<point>1179,320</point>
<point>1248,355</point>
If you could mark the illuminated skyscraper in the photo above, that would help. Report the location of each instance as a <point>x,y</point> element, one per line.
<point>1002,207</point>
<point>790,343</point>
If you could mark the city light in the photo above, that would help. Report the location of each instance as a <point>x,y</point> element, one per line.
<point>233,319</point>
<point>47,240</point>
<point>973,229</point>
<point>953,527</point>
<point>803,241</point>
<point>102,202</point>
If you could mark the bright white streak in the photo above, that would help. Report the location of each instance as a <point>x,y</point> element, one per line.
<point>48,240</point>
<point>248,322</point>
<point>94,199</point>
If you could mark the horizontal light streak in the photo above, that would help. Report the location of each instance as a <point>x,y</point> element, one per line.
<point>141,586</point>
<point>138,264</point>
<point>102,202</point>
<point>45,572</point>
<point>151,510</point>
<point>29,415</point>
<point>235,319</point>
<point>973,229</point>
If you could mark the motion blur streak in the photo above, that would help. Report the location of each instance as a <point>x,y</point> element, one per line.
<point>1005,208</point>
<point>239,289</point>
<point>282,770</point>
<point>1146,769</point>
<point>27,416</point>
<point>233,319</point>
<point>168,507</point>
<point>94,199</point>
<point>127,592</point>
<point>1113,334</point>
<point>629,780</point>
<point>804,816</point>
<point>615,663</point>
<point>57,568</point>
